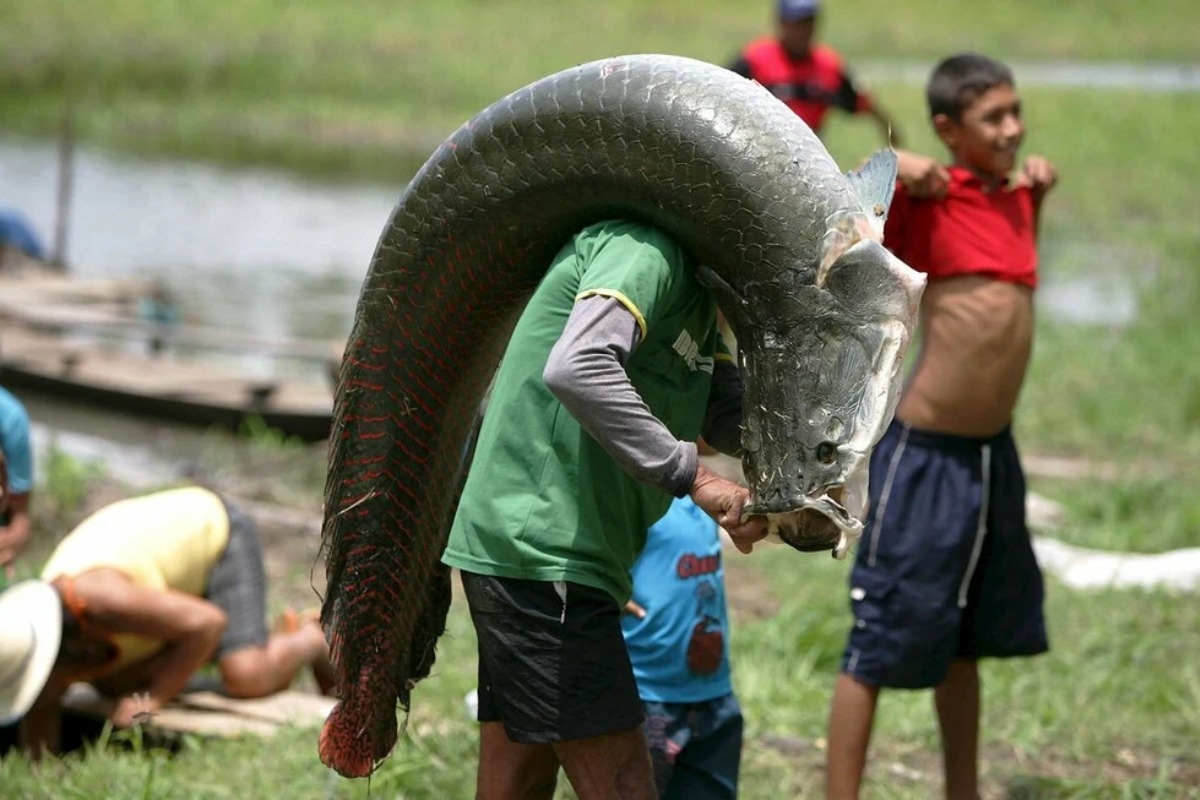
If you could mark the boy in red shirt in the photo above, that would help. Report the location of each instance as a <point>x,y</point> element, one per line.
<point>809,78</point>
<point>945,572</point>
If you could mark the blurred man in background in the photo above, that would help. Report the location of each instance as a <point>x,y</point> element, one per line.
<point>810,78</point>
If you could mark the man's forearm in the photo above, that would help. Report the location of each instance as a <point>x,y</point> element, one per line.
<point>179,663</point>
<point>586,373</point>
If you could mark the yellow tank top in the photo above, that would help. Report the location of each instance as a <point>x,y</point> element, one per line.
<point>166,540</point>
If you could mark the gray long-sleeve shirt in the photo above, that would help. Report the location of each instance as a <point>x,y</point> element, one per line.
<point>586,372</point>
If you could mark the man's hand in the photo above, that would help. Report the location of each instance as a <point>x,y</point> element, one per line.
<point>1039,175</point>
<point>921,175</point>
<point>134,709</point>
<point>723,501</point>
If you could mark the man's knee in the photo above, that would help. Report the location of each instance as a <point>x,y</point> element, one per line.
<point>247,673</point>
<point>510,770</point>
<point>599,765</point>
<point>534,783</point>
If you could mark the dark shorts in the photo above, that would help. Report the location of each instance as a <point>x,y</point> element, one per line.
<point>552,660</point>
<point>696,748</point>
<point>238,586</point>
<point>945,569</point>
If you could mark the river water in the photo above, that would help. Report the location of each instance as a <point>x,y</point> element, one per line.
<point>249,250</point>
<point>262,252</point>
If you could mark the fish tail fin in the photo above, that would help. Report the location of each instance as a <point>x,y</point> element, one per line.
<point>349,747</point>
<point>875,183</point>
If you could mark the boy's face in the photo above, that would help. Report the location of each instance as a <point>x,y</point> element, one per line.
<point>988,136</point>
<point>797,35</point>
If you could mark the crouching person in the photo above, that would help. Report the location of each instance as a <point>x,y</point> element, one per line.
<point>141,595</point>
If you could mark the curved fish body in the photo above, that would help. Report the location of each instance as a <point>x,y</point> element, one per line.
<point>789,246</point>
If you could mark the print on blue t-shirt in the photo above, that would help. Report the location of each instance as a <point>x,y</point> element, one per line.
<point>680,651</point>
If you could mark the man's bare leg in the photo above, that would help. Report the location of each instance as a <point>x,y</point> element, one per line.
<point>957,702</point>
<point>260,671</point>
<point>851,716</point>
<point>614,766</point>
<point>512,771</point>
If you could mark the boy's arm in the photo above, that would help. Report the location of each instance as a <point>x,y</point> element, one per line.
<point>1040,176</point>
<point>887,126</point>
<point>854,99</point>
<point>921,176</point>
<point>189,626</point>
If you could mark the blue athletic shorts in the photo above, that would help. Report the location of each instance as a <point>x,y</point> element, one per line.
<point>696,748</point>
<point>945,569</point>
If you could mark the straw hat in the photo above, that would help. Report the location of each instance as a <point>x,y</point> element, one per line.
<point>30,630</point>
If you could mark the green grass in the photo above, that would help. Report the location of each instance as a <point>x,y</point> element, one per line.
<point>1110,712</point>
<point>369,89</point>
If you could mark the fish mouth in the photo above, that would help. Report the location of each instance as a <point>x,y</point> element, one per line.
<point>813,523</point>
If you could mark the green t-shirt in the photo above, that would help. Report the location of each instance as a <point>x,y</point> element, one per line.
<point>543,501</point>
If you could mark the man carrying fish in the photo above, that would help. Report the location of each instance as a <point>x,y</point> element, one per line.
<point>515,245</point>
<point>613,370</point>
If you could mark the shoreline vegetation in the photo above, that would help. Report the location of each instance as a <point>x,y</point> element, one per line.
<point>367,92</point>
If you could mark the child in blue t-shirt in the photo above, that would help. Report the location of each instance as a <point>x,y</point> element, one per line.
<point>676,630</point>
<point>16,464</point>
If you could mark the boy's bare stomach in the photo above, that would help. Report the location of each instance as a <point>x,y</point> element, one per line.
<point>976,338</point>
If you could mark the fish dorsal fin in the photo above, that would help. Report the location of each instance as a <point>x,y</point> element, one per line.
<point>875,183</point>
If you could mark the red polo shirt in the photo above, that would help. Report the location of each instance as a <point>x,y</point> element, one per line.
<point>970,231</point>
<point>808,86</point>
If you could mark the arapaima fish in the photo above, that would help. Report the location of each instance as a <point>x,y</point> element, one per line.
<point>788,243</point>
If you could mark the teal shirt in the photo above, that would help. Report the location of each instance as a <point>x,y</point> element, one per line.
<point>543,501</point>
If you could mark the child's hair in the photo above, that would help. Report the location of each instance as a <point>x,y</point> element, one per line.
<point>78,652</point>
<point>958,80</point>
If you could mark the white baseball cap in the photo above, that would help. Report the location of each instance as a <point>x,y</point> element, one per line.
<point>30,633</point>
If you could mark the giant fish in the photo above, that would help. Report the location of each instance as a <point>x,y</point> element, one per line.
<point>789,245</point>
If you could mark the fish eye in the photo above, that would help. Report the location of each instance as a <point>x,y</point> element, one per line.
<point>826,452</point>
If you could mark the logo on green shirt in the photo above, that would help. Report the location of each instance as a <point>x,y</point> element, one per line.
<point>687,348</point>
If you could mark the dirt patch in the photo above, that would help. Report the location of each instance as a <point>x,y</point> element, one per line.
<point>747,589</point>
<point>1006,772</point>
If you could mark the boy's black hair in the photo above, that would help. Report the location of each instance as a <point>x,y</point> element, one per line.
<point>80,653</point>
<point>958,80</point>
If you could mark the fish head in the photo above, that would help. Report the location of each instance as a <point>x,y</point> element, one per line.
<point>822,353</point>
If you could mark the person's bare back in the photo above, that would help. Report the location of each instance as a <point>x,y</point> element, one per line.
<point>976,339</point>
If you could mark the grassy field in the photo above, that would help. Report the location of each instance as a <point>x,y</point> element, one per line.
<point>1110,713</point>
<point>366,90</point>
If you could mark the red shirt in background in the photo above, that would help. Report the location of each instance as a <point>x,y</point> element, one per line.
<point>809,86</point>
<point>970,231</point>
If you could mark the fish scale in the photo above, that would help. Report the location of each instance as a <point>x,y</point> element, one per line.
<point>713,159</point>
